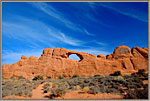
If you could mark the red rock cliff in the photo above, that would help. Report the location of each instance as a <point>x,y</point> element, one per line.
<point>54,63</point>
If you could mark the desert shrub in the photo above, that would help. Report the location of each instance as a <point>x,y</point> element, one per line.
<point>126,77</point>
<point>73,82</point>
<point>6,92</point>
<point>57,92</point>
<point>114,86</point>
<point>80,82</point>
<point>145,76</point>
<point>94,90</point>
<point>18,92</point>
<point>7,89</point>
<point>27,93</point>
<point>128,84</point>
<point>23,90</point>
<point>48,78</point>
<point>85,89</point>
<point>92,83</point>
<point>116,73</point>
<point>121,90</point>
<point>77,87</point>
<point>9,86</point>
<point>42,81</point>
<point>138,85</point>
<point>4,83</point>
<point>71,88</point>
<point>46,88</point>
<point>38,77</point>
<point>84,85</point>
<point>97,75</point>
<point>107,83</point>
<point>34,85</point>
<point>119,79</point>
<point>145,86</point>
<point>101,85</point>
<point>12,77</point>
<point>47,85</point>
<point>131,86</point>
<point>112,90</point>
<point>136,79</point>
<point>103,89</point>
<point>133,74</point>
<point>66,85</point>
<point>137,94</point>
<point>141,71</point>
<point>75,75</point>
<point>61,77</point>
<point>55,85</point>
<point>21,77</point>
<point>86,81</point>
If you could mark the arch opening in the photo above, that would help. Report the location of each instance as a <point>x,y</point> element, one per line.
<point>74,57</point>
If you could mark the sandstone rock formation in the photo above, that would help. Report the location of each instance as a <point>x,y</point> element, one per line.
<point>54,63</point>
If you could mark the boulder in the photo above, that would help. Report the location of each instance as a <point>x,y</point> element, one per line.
<point>102,56</point>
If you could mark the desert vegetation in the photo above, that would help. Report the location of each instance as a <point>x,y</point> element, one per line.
<point>129,86</point>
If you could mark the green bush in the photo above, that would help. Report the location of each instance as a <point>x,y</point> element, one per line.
<point>116,73</point>
<point>38,77</point>
<point>75,75</point>
<point>141,72</point>
<point>48,78</point>
<point>97,75</point>
<point>61,77</point>
<point>20,77</point>
<point>137,94</point>
<point>12,77</point>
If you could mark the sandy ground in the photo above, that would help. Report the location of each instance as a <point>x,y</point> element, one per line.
<point>81,95</point>
<point>38,94</point>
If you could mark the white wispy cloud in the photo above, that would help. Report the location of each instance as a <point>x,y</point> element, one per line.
<point>61,37</point>
<point>134,13</point>
<point>29,30</point>
<point>86,9</point>
<point>100,43</point>
<point>51,11</point>
<point>88,33</point>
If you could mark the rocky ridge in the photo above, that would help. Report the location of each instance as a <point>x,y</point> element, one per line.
<point>55,62</point>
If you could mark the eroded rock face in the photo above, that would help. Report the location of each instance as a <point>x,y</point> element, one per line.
<point>54,63</point>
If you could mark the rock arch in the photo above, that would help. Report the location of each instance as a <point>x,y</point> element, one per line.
<point>79,55</point>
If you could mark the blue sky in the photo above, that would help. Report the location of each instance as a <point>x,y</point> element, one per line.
<point>92,27</point>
